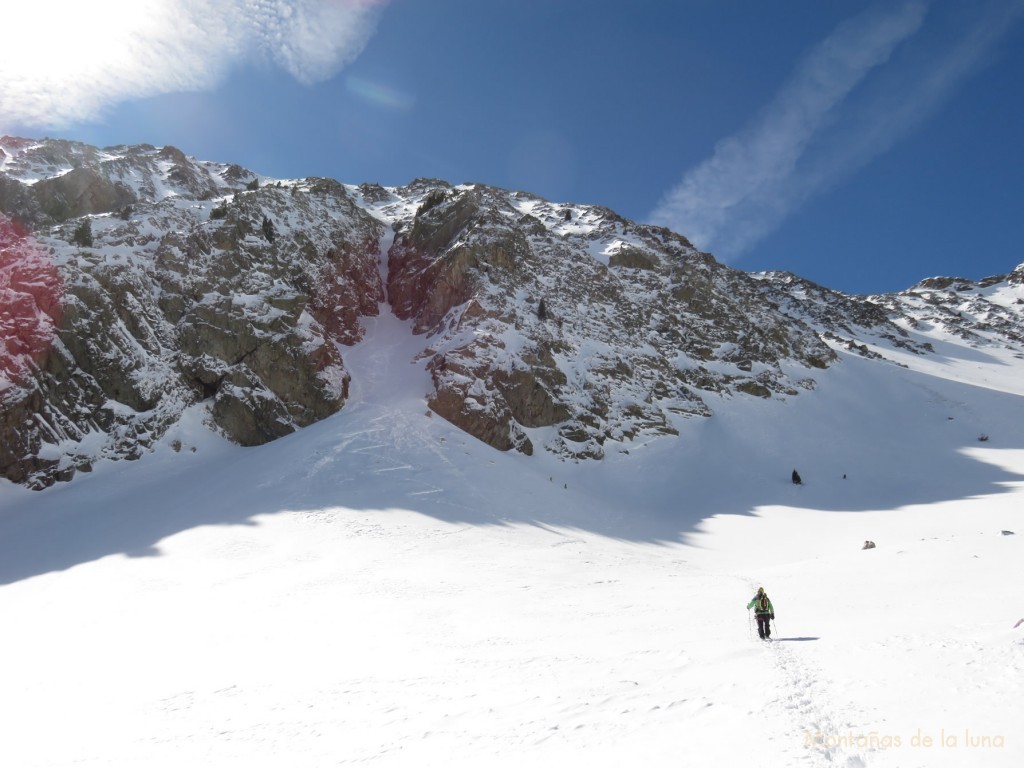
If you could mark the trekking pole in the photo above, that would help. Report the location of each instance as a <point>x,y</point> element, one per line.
<point>775,628</point>
<point>750,627</point>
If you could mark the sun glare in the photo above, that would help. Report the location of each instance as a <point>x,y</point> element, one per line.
<point>49,39</point>
<point>63,61</point>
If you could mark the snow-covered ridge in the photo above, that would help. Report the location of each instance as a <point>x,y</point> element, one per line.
<point>541,325</point>
<point>952,327</point>
<point>150,173</point>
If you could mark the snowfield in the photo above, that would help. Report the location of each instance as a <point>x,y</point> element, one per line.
<point>382,589</point>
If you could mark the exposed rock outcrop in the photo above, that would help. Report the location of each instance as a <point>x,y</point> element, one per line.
<point>180,300</point>
<point>589,324</point>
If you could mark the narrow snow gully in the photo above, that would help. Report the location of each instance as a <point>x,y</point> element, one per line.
<point>384,367</point>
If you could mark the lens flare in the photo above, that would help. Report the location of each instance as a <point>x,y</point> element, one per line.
<point>31,301</point>
<point>379,94</point>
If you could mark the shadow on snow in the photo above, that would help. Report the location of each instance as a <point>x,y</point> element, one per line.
<point>906,444</point>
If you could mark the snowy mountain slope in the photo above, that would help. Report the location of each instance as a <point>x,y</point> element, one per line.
<point>173,281</point>
<point>939,319</point>
<point>381,588</point>
<point>150,282</point>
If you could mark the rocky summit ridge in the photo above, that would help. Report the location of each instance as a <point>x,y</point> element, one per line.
<point>137,283</point>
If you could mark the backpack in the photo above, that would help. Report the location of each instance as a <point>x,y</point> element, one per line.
<point>763,603</point>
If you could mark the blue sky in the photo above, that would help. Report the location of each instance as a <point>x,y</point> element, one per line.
<point>863,145</point>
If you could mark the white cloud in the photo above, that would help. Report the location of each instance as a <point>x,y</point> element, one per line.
<point>65,60</point>
<point>826,123</point>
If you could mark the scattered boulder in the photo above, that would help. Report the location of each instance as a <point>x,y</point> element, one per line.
<point>868,545</point>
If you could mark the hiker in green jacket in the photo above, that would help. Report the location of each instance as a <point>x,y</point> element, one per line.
<point>765,612</point>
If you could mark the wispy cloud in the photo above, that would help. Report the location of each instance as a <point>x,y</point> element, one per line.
<point>846,103</point>
<point>63,62</point>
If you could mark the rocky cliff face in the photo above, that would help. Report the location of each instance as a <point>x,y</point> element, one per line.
<point>166,283</point>
<point>138,284</point>
<point>574,319</point>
